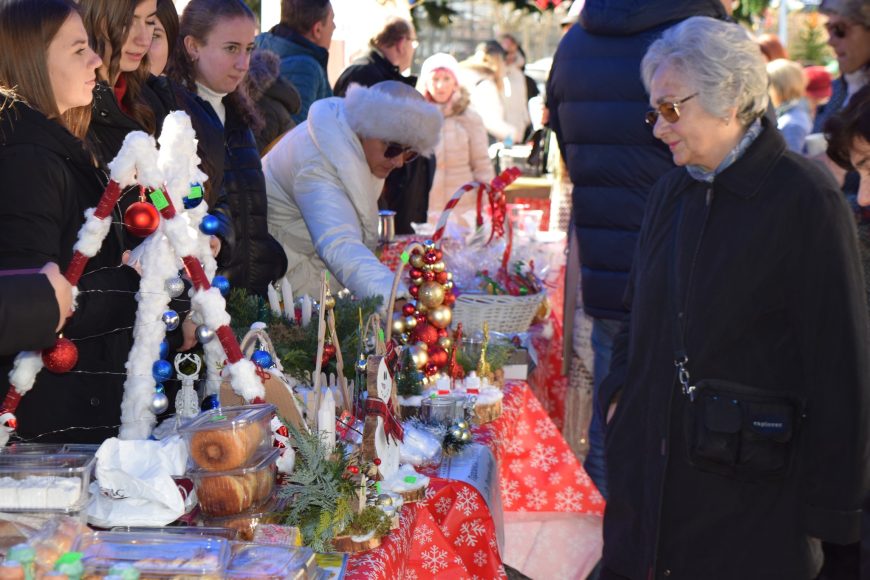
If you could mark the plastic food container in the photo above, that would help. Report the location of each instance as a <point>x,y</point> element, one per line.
<point>259,562</point>
<point>195,531</point>
<point>161,555</point>
<point>44,482</point>
<point>229,438</point>
<point>225,493</point>
<point>245,523</point>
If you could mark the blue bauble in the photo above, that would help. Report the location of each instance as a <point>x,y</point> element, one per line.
<point>164,349</point>
<point>221,284</point>
<point>209,225</point>
<point>262,359</point>
<point>171,319</point>
<point>210,402</point>
<point>161,371</point>
<point>194,198</point>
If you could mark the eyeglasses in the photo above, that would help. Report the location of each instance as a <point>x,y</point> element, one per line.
<point>395,149</point>
<point>670,111</point>
<point>838,29</point>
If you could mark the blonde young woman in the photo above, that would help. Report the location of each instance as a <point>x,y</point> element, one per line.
<point>461,153</point>
<point>483,76</point>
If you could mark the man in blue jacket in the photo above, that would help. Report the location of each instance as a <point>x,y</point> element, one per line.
<point>597,104</point>
<point>302,40</point>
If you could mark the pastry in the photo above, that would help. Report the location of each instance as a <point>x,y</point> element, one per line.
<point>223,495</point>
<point>225,449</point>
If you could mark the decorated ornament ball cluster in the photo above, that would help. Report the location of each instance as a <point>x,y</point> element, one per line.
<point>423,324</point>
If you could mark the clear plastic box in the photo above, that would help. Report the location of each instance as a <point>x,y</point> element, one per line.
<point>228,438</point>
<point>245,523</point>
<point>225,493</point>
<point>262,562</point>
<point>30,481</point>
<point>160,555</point>
<point>196,531</point>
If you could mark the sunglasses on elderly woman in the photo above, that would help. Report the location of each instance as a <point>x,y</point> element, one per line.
<point>670,111</point>
<point>395,149</point>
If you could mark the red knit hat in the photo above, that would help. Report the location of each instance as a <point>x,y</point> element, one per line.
<point>818,82</point>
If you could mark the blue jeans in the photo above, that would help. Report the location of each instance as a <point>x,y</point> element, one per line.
<point>603,333</point>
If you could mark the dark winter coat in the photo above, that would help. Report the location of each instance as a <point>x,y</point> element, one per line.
<point>597,103</point>
<point>771,291</point>
<point>277,100</point>
<point>28,312</point>
<point>49,181</point>
<point>250,257</point>
<point>406,190</point>
<point>303,64</point>
<point>370,70</point>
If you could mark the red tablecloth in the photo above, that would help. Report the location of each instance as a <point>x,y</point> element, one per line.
<point>451,533</point>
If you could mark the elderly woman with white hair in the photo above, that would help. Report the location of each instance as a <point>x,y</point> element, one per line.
<point>739,438</point>
<point>323,180</point>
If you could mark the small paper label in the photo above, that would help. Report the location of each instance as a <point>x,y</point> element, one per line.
<point>410,479</point>
<point>195,192</point>
<point>158,198</point>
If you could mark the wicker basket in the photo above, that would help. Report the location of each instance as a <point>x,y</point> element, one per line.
<point>503,313</point>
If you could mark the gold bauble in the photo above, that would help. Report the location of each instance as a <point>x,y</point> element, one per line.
<point>410,322</point>
<point>419,356</point>
<point>416,281</point>
<point>329,301</point>
<point>449,275</point>
<point>465,435</point>
<point>448,285</point>
<point>438,267</point>
<point>431,294</point>
<point>445,342</point>
<point>421,308</point>
<point>441,316</point>
<point>417,260</point>
<point>422,346</point>
<point>398,324</point>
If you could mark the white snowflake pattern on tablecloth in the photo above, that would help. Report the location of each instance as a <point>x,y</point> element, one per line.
<point>523,427</point>
<point>445,530</point>
<point>410,574</point>
<point>457,559</point>
<point>391,549</point>
<point>434,559</point>
<point>568,499</point>
<point>529,480</point>
<point>372,563</point>
<point>469,532</point>
<point>510,493</point>
<point>533,404</point>
<point>493,542</point>
<point>466,501</point>
<point>536,499</point>
<point>480,558</point>
<point>423,534</point>
<point>544,457</point>
<point>516,466</point>
<point>443,505</point>
<point>513,446</point>
<point>568,457</point>
<point>545,428</point>
<point>555,478</point>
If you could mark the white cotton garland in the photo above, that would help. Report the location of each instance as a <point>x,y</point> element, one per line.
<point>92,233</point>
<point>177,158</point>
<point>138,148</point>
<point>212,307</point>
<point>182,236</point>
<point>23,373</point>
<point>158,265</point>
<point>245,381</point>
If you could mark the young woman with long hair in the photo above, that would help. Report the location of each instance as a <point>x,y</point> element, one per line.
<point>211,59</point>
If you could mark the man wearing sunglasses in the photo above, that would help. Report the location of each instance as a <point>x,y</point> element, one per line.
<point>324,178</point>
<point>848,29</point>
<point>597,105</point>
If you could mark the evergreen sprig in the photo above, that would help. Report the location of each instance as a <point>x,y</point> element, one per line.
<point>497,355</point>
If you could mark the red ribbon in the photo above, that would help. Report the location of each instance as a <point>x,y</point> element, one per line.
<point>392,427</point>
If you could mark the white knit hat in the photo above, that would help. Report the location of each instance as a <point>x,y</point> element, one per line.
<point>439,60</point>
<point>393,111</point>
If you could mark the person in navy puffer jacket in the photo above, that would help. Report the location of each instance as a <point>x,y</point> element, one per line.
<point>597,104</point>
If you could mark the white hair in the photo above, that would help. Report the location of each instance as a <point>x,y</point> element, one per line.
<point>719,60</point>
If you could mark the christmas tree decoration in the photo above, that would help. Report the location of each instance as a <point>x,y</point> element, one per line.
<point>187,400</point>
<point>262,359</point>
<point>193,199</point>
<point>62,357</point>
<point>161,370</point>
<point>210,402</point>
<point>204,334</point>
<point>174,287</point>
<point>164,349</point>
<point>171,319</point>
<point>160,403</point>
<point>382,430</point>
<point>222,284</point>
<point>210,225</point>
<point>141,219</point>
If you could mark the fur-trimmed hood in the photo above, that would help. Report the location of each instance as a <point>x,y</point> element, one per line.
<point>375,114</point>
<point>457,104</point>
<point>264,70</point>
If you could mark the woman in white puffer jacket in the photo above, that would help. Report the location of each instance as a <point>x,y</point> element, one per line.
<point>323,180</point>
<point>461,154</point>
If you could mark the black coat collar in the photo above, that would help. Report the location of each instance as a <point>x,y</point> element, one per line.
<point>746,176</point>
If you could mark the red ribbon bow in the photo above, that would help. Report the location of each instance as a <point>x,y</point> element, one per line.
<point>392,426</point>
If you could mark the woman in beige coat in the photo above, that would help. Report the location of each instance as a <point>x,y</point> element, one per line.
<point>461,153</point>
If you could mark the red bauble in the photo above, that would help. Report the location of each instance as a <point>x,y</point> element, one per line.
<point>420,317</point>
<point>415,273</point>
<point>413,290</point>
<point>409,309</point>
<point>442,332</point>
<point>376,461</point>
<point>328,353</point>
<point>353,469</point>
<point>428,275</point>
<point>426,333</point>
<point>62,357</point>
<point>449,298</point>
<point>430,257</point>
<point>442,277</point>
<point>438,255</point>
<point>430,369</point>
<point>438,356</point>
<point>141,219</point>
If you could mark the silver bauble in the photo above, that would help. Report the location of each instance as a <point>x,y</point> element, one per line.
<point>410,322</point>
<point>204,334</point>
<point>159,403</point>
<point>385,499</point>
<point>171,319</point>
<point>174,287</point>
<point>461,424</point>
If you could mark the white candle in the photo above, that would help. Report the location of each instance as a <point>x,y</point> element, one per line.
<point>274,302</point>
<point>306,310</point>
<point>287,295</point>
<point>326,420</point>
